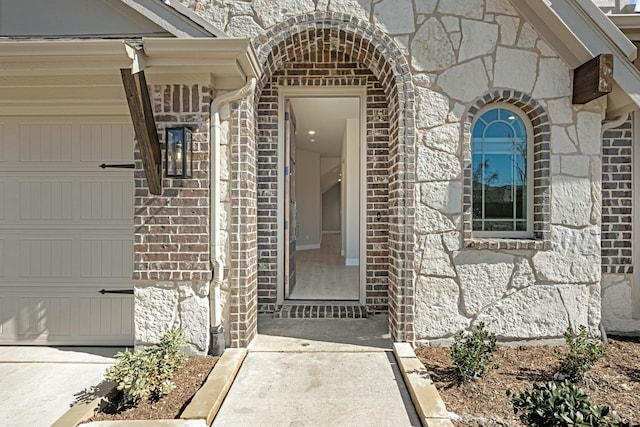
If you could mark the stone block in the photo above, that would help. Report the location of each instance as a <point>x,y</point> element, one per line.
<point>571,200</point>
<point>395,16</point>
<point>270,14</point>
<point>437,308</point>
<point>478,39</point>
<point>155,311</point>
<point>444,138</point>
<point>435,165</point>
<point>537,311</point>
<point>431,48</point>
<point>515,69</point>
<point>466,81</point>
<point>574,258</point>
<point>432,108</point>
<point>484,277</point>
<point>431,257</point>
<point>443,196</point>
<point>554,79</point>
<point>473,9</point>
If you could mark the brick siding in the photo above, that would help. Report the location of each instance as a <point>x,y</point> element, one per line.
<point>332,49</point>
<point>324,69</point>
<point>617,198</point>
<point>172,230</point>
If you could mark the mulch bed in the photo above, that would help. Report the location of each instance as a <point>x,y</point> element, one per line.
<point>188,381</point>
<point>615,381</point>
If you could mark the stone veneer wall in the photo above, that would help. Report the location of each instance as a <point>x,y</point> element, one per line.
<point>171,263</point>
<point>521,288</point>
<point>454,53</point>
<point>618,288</point>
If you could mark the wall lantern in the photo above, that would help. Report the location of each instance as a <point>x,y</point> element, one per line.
<point>178,150</point>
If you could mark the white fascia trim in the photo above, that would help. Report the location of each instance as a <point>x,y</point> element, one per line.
<point>203,51</point>
<point>172,20</point>
<point>41,57</point>
<point>607,28</point>
<point>220,57</point>
<point>191,15</point>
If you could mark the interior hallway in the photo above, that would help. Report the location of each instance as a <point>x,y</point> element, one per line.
<point>322,275</point>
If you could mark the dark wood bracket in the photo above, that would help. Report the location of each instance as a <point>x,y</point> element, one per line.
<point>135,87</point>
<point>593,79</point>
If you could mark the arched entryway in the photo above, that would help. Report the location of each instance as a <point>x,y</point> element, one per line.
<point>334,50</point>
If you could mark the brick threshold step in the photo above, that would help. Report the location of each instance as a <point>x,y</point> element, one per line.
<point>320,310</point>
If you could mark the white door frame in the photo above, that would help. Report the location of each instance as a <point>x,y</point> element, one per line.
<point>359,92</point>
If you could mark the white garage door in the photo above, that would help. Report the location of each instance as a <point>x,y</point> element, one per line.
<point>66,231</point>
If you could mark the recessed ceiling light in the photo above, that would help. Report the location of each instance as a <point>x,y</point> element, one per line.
<point>312,132</point>
<point>312,140</point>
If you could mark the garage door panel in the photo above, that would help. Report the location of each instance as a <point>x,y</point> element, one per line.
<point>66,231</point>
<point>43,317</point>
<point>106,316</point>
<point>94,147</point>
<point>46,200</point>
<point>106,200</point>
<point>46,142</point>
<point>108,258</point>
<point>46,258</point>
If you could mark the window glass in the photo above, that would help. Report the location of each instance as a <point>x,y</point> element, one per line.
<point>499,172</point>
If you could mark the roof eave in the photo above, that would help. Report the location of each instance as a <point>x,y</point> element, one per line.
<point>175,19</point>
<point>579,32</point>
<point>229,62</point>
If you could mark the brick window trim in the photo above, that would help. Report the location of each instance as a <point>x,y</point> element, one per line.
<point>541,168</point>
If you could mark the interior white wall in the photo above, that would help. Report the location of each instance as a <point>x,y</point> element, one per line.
<point>308,200</point>
<point>351,190</point>
<point>331,210</point>
<point>328,163</point>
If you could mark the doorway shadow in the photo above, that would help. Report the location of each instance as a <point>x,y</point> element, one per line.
<point>368,334</point>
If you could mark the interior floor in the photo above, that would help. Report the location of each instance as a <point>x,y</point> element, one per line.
<point>322,275</point>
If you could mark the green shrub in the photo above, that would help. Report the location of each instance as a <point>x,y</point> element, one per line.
<point>584,352</point>
<point>472,353</point>
<point>147,373</point>
<point>559,404</point>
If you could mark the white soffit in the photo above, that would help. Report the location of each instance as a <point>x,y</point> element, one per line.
<point>85,76</point>
<point>579,31</point>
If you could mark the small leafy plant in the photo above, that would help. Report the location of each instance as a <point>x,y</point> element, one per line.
<point>584,352</point>
<point>559,404</point>
<point>147,373</point>
<point>472,353</point>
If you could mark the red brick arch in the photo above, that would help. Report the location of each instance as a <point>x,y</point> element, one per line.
<point>333,49</point>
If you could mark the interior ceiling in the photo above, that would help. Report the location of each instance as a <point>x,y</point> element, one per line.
<point>327,116</point>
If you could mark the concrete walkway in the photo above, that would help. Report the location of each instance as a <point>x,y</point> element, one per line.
<point>39,384</point>
<point>319,373</point>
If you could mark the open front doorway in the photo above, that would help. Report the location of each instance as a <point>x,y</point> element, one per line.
<point>323,206</point>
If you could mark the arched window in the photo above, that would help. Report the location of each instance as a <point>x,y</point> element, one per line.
<point>502,173</point>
